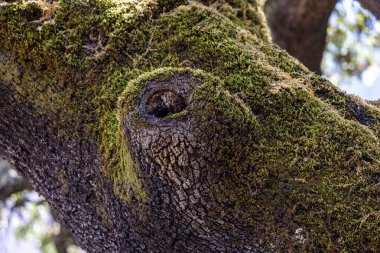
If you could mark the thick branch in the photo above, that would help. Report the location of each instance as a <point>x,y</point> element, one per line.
<point>299,27</point>
<point>14,116</point>
<point>373,6</point>
<point>62,169</point>
<point>186,131</point>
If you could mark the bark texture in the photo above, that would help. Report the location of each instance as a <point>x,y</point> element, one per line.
<point>172,126</point>
<point>300,27</point>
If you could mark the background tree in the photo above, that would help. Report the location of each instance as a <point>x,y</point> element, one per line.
<point>238,13</point>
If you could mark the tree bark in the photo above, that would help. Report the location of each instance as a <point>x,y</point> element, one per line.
<point>300,27</point>
<point>172,126</point>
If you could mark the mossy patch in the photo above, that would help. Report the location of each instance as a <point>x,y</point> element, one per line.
<point>307,167</point>
<point>247,14</point>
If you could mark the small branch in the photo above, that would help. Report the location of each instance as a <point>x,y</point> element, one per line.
<point>373,6</point>
<point>11,184</point>
<point>63,240</point>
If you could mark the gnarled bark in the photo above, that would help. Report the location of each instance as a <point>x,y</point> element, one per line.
<point>171,126</point>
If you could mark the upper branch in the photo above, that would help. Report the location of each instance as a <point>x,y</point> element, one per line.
<point>299,27</point>
<point>373,6</point>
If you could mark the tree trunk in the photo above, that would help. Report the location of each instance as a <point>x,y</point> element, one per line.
<point>176,126</point>
<point>300,27</point>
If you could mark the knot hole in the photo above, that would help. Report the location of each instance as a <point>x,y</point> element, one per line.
<point>164,103</point>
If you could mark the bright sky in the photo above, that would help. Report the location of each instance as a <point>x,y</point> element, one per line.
<point>367,86</point>
<point>371,89</point>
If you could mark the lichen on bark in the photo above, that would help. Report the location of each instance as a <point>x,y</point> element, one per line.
<point>266,156</point>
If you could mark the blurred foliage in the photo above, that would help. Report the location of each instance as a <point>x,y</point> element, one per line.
<point>27,217</point>
<point>353,39</point>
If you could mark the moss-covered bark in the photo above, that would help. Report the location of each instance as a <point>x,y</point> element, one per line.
<point>180,119</point>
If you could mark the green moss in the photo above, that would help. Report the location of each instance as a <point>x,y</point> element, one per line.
<point>306,160</point>
<point>247,14</point>
<point>376,103</point>
<point>125,177</point>
<point>308,152</point>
